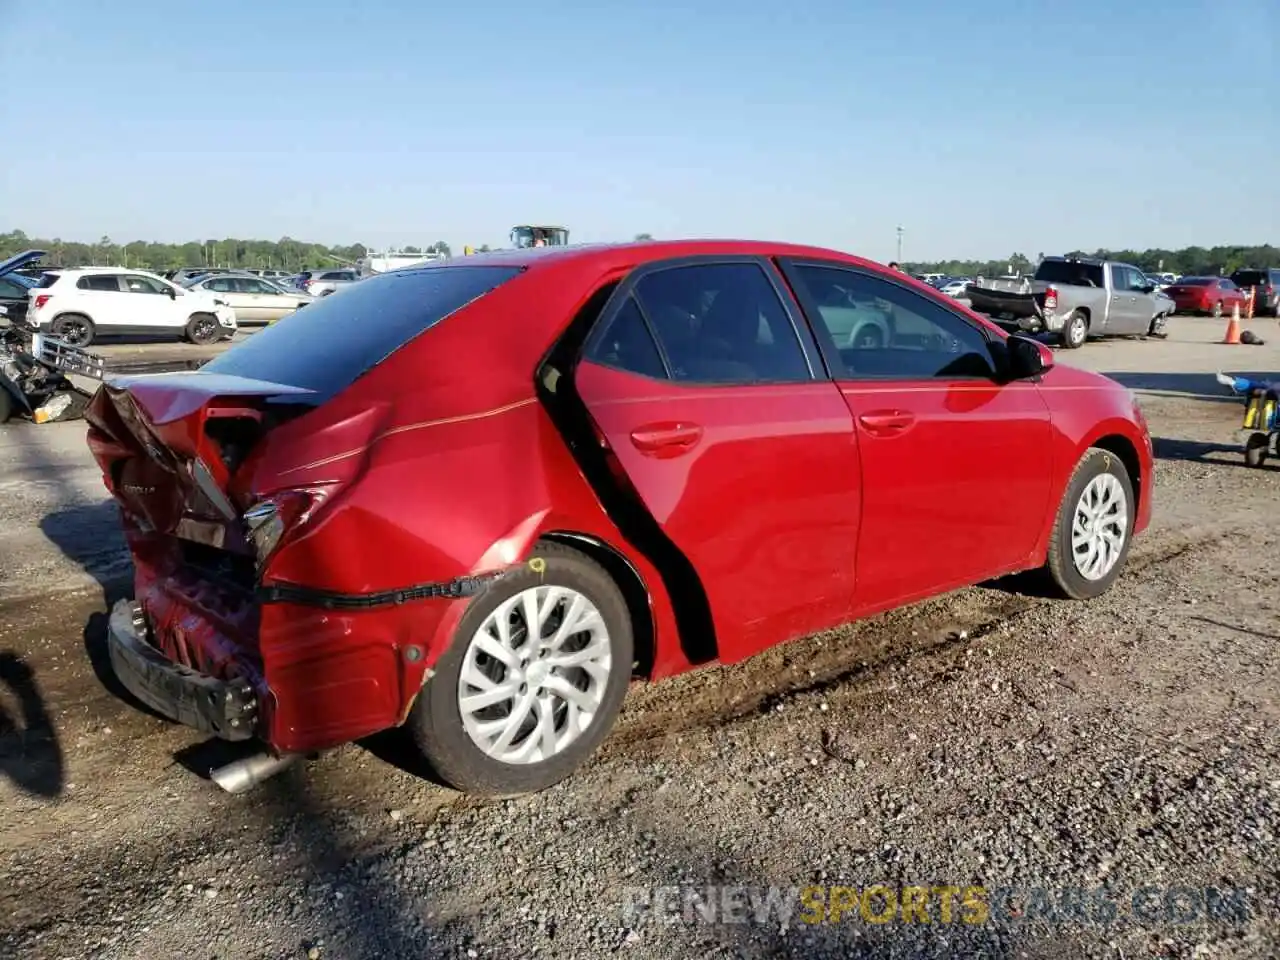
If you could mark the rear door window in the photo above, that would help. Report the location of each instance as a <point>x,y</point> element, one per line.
<point>335,340</point>
<point>109,283</point>
<point>1070,273</point>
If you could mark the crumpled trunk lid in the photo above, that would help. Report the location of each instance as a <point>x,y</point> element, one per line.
<point>170,446</point>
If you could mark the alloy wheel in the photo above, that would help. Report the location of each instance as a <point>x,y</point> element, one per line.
<point>1099,527</point>
<point>534,675</point>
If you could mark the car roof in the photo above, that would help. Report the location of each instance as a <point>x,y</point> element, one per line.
<point>645,251</point>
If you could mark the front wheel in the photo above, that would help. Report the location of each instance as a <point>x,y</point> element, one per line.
<point>1091,533</point>
<point>532,681</point>
<point>1075,331</point>
<point>203,328</point>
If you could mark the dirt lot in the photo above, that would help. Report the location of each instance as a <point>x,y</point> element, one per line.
<point>989,738</point>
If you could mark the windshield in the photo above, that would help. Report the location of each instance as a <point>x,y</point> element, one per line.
<point>330,343</point>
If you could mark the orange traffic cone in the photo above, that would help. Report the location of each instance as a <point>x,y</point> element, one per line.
<point>1233,326</point>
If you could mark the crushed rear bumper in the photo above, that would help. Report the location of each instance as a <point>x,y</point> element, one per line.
<point>225,709</point>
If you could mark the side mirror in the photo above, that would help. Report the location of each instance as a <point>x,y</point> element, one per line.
<point>1149,288</point>
<point>1027,357</point>
<point>173,293</point>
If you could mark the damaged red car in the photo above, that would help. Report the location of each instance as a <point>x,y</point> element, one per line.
<point>477,498</point>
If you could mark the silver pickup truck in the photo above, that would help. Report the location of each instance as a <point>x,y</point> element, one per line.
<point>1077,299</point>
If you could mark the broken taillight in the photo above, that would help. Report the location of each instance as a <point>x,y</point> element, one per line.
<point>267,521</point>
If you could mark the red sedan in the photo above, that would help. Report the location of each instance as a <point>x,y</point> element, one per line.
<point>478,497</point>
<point>1214,296</point>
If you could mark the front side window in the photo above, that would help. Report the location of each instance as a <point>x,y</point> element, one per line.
<point>881,329</point>
<point>135,284</point>
<point>721,323</point>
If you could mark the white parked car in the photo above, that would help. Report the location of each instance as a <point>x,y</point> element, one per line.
<point>955,288</point>
<point>79,306</point>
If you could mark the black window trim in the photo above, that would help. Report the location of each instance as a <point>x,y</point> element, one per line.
<point>814,362</point>
<point>831,353</point>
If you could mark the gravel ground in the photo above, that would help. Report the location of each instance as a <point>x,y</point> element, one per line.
<point>989,738</point>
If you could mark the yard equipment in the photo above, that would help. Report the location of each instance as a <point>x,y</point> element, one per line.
<point>1260,430</point>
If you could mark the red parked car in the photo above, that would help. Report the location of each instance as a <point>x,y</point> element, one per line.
<point>480,496</point>
<point>1214,296</point>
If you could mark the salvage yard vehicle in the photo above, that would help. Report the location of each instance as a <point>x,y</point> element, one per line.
<point>1075,299</point>
<point>79,306</point>
<point>1212,296</point>
<point>33,380</point>
<point>528,477</point>
<point>254,300</point>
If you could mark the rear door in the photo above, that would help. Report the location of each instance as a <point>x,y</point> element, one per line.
<point>710,397</point>
<point>956,470</point>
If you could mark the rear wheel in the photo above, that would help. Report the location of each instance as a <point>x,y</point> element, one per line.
<point>74,329</point>
<point>1091,533</point>
<point>1075,331</point>
<point>1255,449</point>
<point>203,328</point>
<point>532,681</point>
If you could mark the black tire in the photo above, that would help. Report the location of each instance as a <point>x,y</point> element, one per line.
<point>436,725</point>
<point>1060,563</point>
<point>74,329</point>
<point>6,405</point>
<point>1255,449</point>
<point>203,328</point>
<point>1075,331</point>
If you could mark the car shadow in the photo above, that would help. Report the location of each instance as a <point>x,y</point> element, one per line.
<point>30,754</point>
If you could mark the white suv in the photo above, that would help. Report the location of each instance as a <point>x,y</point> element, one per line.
<point>78,306</point>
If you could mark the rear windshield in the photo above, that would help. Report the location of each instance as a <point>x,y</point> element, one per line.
<point>1196,281</point>
<point>326,345</point>
<point>1249,278</point>
<point>1070,274</point>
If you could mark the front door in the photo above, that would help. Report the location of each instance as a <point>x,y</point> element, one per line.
<point>147,306</point>
<point>710,396</point>
<point>956,467</point>
<point>1131,309</point>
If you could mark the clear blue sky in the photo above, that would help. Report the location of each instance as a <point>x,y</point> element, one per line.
<point>983,127</point>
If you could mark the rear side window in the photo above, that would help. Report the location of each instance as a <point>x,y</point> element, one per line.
<point>48,280</point>
<point>722,323</point>
<point>107,284</point>
<point>625,343</point>
<point>1249,278</point>
<point>1070,274</point>
<point>330,343</point>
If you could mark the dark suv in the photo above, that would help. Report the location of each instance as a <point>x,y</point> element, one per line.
<point>1266,288</point>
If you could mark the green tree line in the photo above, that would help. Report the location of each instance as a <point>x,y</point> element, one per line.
<point>1189,261</point>
<point>283,254</point>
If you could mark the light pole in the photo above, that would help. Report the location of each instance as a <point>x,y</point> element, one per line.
<point>900,232</point>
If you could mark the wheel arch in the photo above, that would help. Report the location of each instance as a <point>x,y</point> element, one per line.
<point>627,578</point>
<point>1127,453</point>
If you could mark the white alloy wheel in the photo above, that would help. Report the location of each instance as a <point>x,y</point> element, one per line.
<point>534,675</point>
<point>1099,527</point>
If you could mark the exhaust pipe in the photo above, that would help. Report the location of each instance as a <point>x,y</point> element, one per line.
<point>241,775</point>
